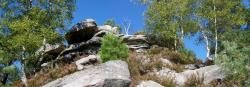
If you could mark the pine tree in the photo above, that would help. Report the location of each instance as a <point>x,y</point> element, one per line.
<point>112,48</point>
<point>235,63</point>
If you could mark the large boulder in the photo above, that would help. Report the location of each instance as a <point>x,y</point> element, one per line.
<point>149,83</point>
<point>208,74</point>
<point>110,74</point>
<point>82,31</point>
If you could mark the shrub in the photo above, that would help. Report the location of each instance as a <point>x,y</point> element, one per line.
<point>43,77</point>
<point>183,56</point>
<point>138,75</point>
<point>195,80</point>
<point>234,62</point>
<point>112,48</point>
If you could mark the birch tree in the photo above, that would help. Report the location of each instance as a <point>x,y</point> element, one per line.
<point>222,15</point>
<point>171,19</point>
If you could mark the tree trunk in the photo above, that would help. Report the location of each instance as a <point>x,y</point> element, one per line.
<point>182,30</point>
<point>22,72</point>
<point>23,76</point>
<point>207,45</point>
<point>175,44</point>
<point>215,30</point>
<point>216,44</point>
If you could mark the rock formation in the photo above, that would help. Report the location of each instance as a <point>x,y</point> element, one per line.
<point>85,38</point>
<point>84,42</point>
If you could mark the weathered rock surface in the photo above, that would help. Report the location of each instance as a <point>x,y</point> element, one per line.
<point>50,49</point>
<point>208,73</point>
<point>109,29</point>
<point>134,39</point>
<point>149,83</point>
<point>109,74</point>
<point>136,43</point>
<point>82,31</point>
<point>90,60</point>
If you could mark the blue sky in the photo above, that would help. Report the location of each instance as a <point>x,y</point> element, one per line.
<point>101,10</point>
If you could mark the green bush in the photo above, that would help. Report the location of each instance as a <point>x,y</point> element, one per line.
<point>234,62</point>
<point>112,48</point>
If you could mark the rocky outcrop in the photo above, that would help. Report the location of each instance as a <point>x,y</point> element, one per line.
<point>109,74</point>
<point>207,73</point>
<point>149,83</point>
<point>85,38</point>
<point>82,31</point>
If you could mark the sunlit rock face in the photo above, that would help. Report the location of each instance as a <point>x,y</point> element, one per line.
<point>109,74</point>
<point>82,31</point>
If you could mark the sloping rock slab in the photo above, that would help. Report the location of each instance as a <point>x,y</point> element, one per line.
<point>109,74</point>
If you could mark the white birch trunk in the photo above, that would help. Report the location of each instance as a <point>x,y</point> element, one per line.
<point>207,45</point>
<point>175,44</point>
<point>22,72</point>
<point>182,31</point>
<point>23,76</point>
<point>215,30</point>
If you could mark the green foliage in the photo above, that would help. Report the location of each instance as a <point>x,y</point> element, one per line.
<point>25,23</point>
<point>112,48</point>
<point>222,16</point>
<point>187,56</point>
<point>9,69</point>
<point>166,18</point>
<point>234,62</point>
<point>239,36</point>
